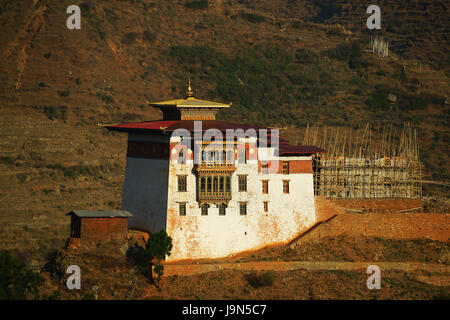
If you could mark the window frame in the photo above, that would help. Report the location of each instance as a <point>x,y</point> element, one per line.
<point>285,170</point>
<point>223,207</point>
<point>243,208</point>
<point>242,187</point>
<point>204,209</point>
<point>183,178</point>
<point>265,186</point>
<point>286,186</point>
<point>182,208</point>
<point>266,206</point>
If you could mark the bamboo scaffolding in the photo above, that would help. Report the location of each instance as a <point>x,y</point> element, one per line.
<point>359,165</point>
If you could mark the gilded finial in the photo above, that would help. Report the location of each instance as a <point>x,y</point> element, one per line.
<point>189,91</point>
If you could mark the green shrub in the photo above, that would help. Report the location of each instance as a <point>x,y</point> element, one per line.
<point>409,102</point>
<point>104,97</point>
<point>16,281</point>
<point>305,56</point>
<point>197,4</point>
<point>251,17</point>
<point>64,93</point>
<point>350,52</point>
<point>257,281</point>
<point>327,8</point>
<point>56,112</point>
<point>158,246</point>
<point>149,36</point>
<point>129,38</point>
<point>378,99</point>
<point>7,160</point>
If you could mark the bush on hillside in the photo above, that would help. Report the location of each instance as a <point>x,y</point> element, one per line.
<point>16,281</point>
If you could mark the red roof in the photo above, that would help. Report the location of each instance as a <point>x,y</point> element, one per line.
<point>168,126</point>
<point>171,125</point>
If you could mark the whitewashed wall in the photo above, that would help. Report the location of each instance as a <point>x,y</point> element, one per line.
<point>213,236</point>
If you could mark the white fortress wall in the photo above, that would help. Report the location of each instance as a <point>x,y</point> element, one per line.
<point>213,236</point>
<point>145,189</point>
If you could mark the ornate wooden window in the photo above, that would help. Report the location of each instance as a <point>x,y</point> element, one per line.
<point>182,208</point>
<point>285,167</point>
<point>214,176</point>
<point>242,179</point>
<point>222,209</point>
<point>285,186</point>
<point>266,206</point>
<point>182,183</point>
<point>265,186</point>
<point>243,208</point>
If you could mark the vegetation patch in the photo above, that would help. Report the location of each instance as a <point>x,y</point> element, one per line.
<point>16,281</point>
<point>252,17</point>
<point>260,280</point>
<point>129,38</point>
<point>197,4</point>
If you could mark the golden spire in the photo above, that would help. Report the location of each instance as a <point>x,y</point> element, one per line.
<point>189,92</point>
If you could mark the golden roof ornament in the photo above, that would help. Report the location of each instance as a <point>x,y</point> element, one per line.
<point>189,92</point>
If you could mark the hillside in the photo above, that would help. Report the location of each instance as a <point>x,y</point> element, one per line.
<point>282,63</point>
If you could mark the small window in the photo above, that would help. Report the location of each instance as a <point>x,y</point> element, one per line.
<point>265,168</point>
<point>266,206</point>
<point>181,158</point>
<point>222,209</point>
<point>285,186</point>
<point>228,184</point>
<point>182,183</point>
<point>242,183</point>
<point>265,186</point>
<point>182,208</point>
<point>285,167</point>
<point>205,209</point>
<point>243,208</point>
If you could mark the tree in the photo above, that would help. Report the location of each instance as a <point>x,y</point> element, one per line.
<point>16,281</point>
<point>157,248</point>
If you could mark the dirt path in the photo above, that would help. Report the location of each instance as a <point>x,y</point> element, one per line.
<point>190,269</point>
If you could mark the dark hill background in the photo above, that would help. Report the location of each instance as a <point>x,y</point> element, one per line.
<point>283,63</point>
